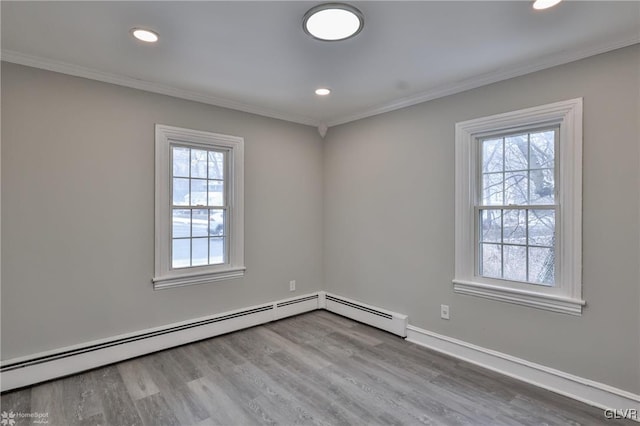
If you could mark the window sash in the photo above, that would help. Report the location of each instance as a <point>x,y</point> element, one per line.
<point>225,237</point>
<point>480,205</point>
<point>479,242</point>
<point>479,139</point>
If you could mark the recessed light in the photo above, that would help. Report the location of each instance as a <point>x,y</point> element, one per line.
<point>333,22</point>
<point>545,4</point>
<point>323,91</point>
<point>144,35</point>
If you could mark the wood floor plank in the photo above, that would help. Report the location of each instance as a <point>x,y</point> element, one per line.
<point>294,330</point>
<point>275,398</point>
<point>137,379</point>
<point>235,389</point>
<point>313,369</point>
<point>320,404</point>
<point>155,411</point>
<point>339,396</point>
<point>18,401</point>
<point>213,354</point>
<point>222,409</point>
<point>48,398</point>
<point>403,388</point>
<point>224,352</point>
<point>171,380</point>
<point>117,405</point>
<point>307,388</point>
<point>354,334</point>
<point>337,320</point>
<point>247,345</point>
<point>80,400</point>
<point>300,348</point>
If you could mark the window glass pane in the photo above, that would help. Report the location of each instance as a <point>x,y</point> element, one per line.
<point>491,258</point>
<point>492,193</point>
<point>216,250</point>
<point>198,163</point>
<point>200,223</point>
<point>542,225</point>
<point>515,152</point>
<point>542,265</point>
<point>199,251</point>
<point>517,171</point>
<point>492,155</point>
<point>491,228</point>
<point>180,192</point>
<point>515,226</point>
<point>180,161</point>
<point>181,253</point>
<point>516,188</point>
<point>216,193</point>
<point>181,223</point>
<point>198,192</point>
<point>216,222</point>
<point>542,186</point>
<point>515,263</point>
<point>216,165</point>
<point>542,150</point>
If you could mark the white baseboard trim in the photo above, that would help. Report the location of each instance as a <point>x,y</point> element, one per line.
<point>28,370</point>
<point>392,322</point>
<point>578,388</point>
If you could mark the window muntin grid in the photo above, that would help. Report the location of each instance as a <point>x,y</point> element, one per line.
<point>199,206</point>
<point>516,209</point>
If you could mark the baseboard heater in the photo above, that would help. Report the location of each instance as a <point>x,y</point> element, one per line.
<point>386,320</point>
<point>122,341</point>
<point>25,371</point>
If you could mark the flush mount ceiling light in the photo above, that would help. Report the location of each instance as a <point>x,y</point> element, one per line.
<point>323,91</point>
<point>545,4</point>
<point>333,22</point>
<point>147,36</point>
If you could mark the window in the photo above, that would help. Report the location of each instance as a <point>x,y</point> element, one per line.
<point>199,207</point>
<point>518,207</point>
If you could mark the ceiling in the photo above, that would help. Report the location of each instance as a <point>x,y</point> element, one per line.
<point>254,56</point>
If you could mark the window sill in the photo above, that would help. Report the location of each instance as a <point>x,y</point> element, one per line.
<point>160,283</point>
<point>565,305</point>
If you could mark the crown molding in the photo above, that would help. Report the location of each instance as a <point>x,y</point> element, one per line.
<point>488,78</point>
<point>121,80</point>
<point>428,95</point>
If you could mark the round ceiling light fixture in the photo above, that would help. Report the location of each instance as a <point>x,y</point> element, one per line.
<point>323,91</point>
<point>147,36</point>
<point>333,22</point>
<point>545,4</point>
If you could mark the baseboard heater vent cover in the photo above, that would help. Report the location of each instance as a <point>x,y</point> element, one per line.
<point>386,320</point>
<point>299,300</point>
<point>295,306</point>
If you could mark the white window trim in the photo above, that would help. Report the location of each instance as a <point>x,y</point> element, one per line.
<point>566,295</point>
<point>165,276</point>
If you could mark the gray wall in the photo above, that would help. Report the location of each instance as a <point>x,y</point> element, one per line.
<point>77,210</point>
<point>389,225</point>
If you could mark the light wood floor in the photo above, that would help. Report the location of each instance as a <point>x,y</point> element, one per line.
<point>316,368</point>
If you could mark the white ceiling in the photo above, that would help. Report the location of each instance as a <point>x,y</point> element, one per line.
<point>254,56</point>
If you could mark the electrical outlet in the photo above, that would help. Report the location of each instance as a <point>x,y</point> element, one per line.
<point>292,285</point>
<point>444,312</point>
